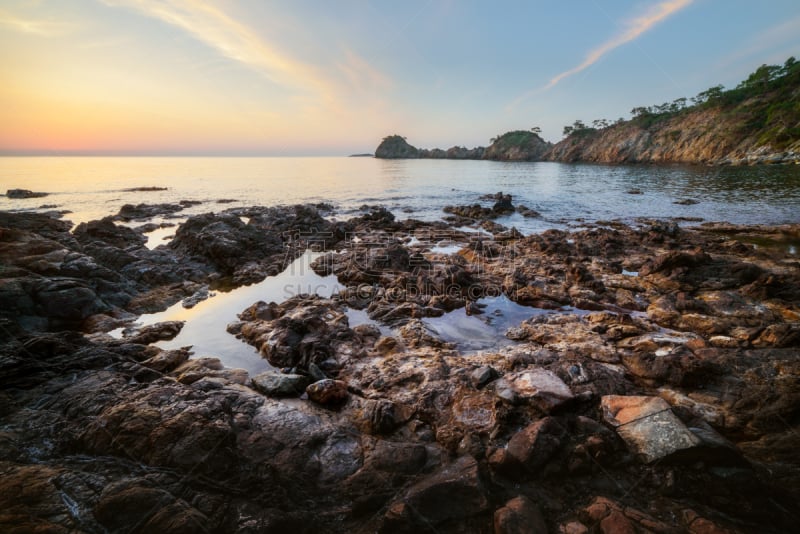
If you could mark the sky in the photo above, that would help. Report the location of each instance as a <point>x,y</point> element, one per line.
<point>306,77</point>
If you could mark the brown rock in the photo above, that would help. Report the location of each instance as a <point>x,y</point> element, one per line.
<point>519,516</point>
<point>534,445</point>
<point>454,493</point>
<point>327,392</point>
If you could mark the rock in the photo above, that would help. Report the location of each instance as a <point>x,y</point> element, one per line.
<point>392,457</point>
<point>199,296</point>
<point>395,147</point>
<point>647,425</point>
<point>106,232</point>
<point>304,330</point>
<point>328,392</point>
<point>280,385</point>
<point>539,387</point>
<point>534,445</point>
<point>482,376</point>
<point>453,494</point>
<point>167,360</point>
<point>140,212</point>
<point>382,416</point>
<point>519,516</point>
<point>157,332</point>
<point>24,193</point>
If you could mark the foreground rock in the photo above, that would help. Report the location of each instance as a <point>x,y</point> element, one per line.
<point>654,387</point>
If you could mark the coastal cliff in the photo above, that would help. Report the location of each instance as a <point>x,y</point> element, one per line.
<point>757,122</point>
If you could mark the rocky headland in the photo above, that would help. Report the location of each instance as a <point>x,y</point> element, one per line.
<point>654,385</point>
<point>758,122</point>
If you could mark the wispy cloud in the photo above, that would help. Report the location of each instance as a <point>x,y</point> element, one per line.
<point>42,28</point>
<point>632,30</point>
<point>228,36</point>
<point>238,42</point>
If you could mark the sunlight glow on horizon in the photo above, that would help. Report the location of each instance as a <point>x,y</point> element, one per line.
<point>173,76</point>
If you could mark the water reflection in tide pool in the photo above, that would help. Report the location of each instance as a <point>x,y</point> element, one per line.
<point>484,331</point>
<point>206,322</point>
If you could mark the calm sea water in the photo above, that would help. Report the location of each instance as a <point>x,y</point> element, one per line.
<point>564,194</point>
<point>93,187</point>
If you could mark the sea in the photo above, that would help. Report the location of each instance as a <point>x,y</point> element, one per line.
<point>566,196</point>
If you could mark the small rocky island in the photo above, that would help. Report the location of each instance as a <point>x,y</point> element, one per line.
<point>653,386</point>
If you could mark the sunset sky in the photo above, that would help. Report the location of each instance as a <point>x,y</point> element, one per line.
<point>328,78</point>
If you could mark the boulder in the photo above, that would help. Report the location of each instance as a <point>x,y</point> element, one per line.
<point>535,444</point>
<point>519,516</point>
<point>539,387</point>
<point>454,493</point>
<point>327,392</point>
<point>24,193</point>
<point>275,384</point>
<point>647,425</point>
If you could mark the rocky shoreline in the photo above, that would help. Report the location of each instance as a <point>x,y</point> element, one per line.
<point>654,386</point>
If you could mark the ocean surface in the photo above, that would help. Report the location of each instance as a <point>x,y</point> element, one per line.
<point>93,187</point>
<point>566,195</point>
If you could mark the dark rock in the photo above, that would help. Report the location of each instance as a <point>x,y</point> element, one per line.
<point>157,332</point>
<point>454,494</point>
<point>24,193</point>
<point>519,516</point>
<point>328,392</point>
<point>533,446</point>
<point>280,385</point>
<point>395,147</point>
<point>483,375</point>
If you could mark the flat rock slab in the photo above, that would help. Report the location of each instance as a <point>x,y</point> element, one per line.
<point>539,387</point>
<point>647,425</point>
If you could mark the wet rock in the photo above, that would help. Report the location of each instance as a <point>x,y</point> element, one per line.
<point>167,360</point>
<point>482,376</point>
<point>647,425</point>
<point>383,416</point>
<point>199,296</point>
<point>304,330</point>
<point>539,387</point>
<point>225,242</point>
<point>280,385</point>
<point>533,446</point>
<point>140,212</point>
<point>392,457</point>
<point>453,495</point>
<point>24,193</point>
<point>328,392</point>
<point>519,516</point>
<point>106,232</point>
<point>156,332</point>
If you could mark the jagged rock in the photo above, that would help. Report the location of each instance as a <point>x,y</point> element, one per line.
<point>534,445</point>
<point>327,392</point>
<point>157,332</point>
<point>279,384</point>
<point>539,387</point>
<point>453,494</point>
<point>395,147</point>
<point>24,193</point>
<point>519,516</point>
<point>647,425</point>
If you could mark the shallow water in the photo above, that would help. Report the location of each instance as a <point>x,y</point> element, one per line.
<point>205,328</point>
<point>563,193</point>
